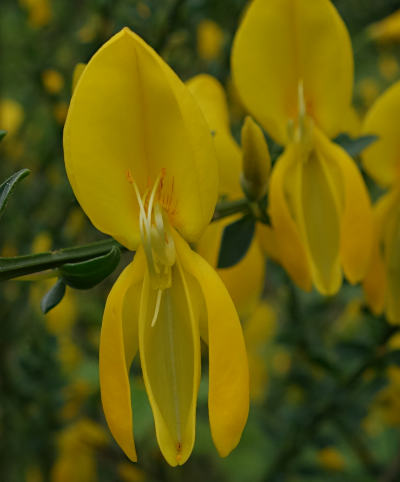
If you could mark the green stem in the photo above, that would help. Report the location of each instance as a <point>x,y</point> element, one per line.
<point>33,263</point>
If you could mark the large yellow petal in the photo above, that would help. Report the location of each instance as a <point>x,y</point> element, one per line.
<point>283,42</point>
<point>391,247</point>
<point>356,222</point>
<point>318,218</point>
<point>291,249</point>
<point>228,399</point>
<point>211,97</point>
<point>170,357</point>
<point>129,111</point>
<point>245,279</point>
<point>382,159</point>
<point>118,345</point>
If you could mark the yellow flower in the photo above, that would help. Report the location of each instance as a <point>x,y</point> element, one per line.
<point>11,116</point>
<point>244,280</point>
<point>140,159</point>
<point>297,83</point>
<point>381,161</point>
<point>209,40</point>
<point>331,459</point>
<point>388,29</point>
<point>52,80</point>
<point>39,12</point>
<point>388,67</point>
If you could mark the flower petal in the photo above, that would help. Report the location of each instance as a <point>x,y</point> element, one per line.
<point>291,249</point>
<point>130,112</point>
<point>245,280</point>
<point>211,97</point>
<point>118,345</point>
<point>292,41</point>
<point>170,357</point>
<point>319,220</point>
<point>381,159</point>
<point>228,399</point>
<point>356,218</point>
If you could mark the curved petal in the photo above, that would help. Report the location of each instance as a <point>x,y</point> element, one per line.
<point>244,281</point>
<point>211,97</point>
<point>130,112</point>
<point>318,217</point>
<point>118,345</point>
<point>391,237</point>
<point>291,249</point>
<point>356,218</point>
<point>267,241</point>
<point>375,281</point>
<point>170,358</point>
<point>228,399</point>
<point>292,41</point>
<point>381,159</point>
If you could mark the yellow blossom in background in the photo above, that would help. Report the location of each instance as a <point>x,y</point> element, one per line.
<point>52,80</point>
<point>331,459</point>
<point>259,329</point>
<point>143,10</point>
<point>41,243</point>
<point>281,361</point>
<point>74,223</point>
<point>130,473</point>
<point>210,39</point>
<point>60,111</point>
<point>34,474</point>
<point>90,29</point>
<point>387,29</point>
<point>39,12</point>
<point>11,116</point>
<point>381,161</point>
<point>152,185</point>
<point>368,89</point>
<point>388,67</point>
<point>77,446</point>
<point>297,83</point>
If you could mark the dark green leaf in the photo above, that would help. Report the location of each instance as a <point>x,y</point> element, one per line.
<point>235,242</point>
<point>53,297</point>
<point>86,274</point>
<point>355,146</point>
<point>2,134</point>
<point>392,357</point>
<point>8,186</point>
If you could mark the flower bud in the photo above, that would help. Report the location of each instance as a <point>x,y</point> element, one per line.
<point>256,160</point>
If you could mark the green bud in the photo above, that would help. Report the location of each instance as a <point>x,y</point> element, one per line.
<point>256,161</point>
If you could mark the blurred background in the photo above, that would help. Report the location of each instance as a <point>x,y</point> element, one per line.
<point>325,401</point>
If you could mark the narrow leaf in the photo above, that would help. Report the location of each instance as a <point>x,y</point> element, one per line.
<point>354,147</point>
<point>53,296</point>
<point>2,134</point>
<point>236,240</point>
<point>8,186</point>
<point>89,273</point>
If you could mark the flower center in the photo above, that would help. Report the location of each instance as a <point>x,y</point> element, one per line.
<point>156,236</point>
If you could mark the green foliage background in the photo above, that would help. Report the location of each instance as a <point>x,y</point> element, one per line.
<point>327,363</point>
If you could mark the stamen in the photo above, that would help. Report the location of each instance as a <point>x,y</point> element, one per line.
<point>157,307</point>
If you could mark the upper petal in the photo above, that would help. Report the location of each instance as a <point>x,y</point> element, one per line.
<point>211,97</point>
<point>130,112</point>
<point>292,41</point>
<point>118,345</point>
<point>382,158</point>
<point>228,399</point>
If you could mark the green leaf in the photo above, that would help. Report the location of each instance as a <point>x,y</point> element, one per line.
<point>53,297</point>
<point>236,240</point>
<point>354,147</point>
<point>8,186</point>
<point>2,134</point>
<point>86,274</point>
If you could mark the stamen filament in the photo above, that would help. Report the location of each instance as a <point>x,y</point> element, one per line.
<point>157,307</point>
